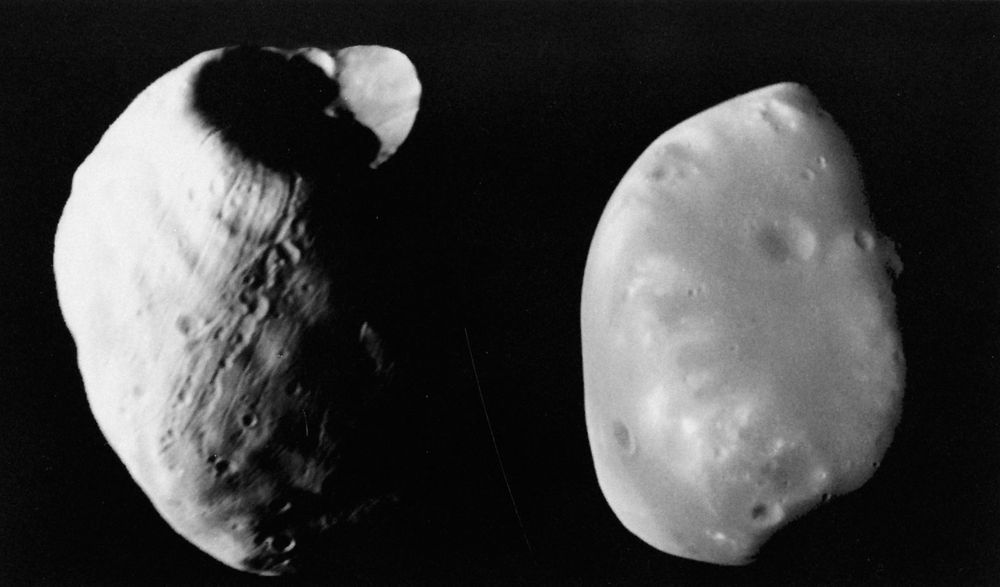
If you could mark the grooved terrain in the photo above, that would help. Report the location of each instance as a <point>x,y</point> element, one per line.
<point>200,271</point>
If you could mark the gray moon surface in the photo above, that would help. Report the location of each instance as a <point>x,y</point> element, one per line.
<point>192,274</point>
<point>742,361</point>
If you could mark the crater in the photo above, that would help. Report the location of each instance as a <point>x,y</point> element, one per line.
<point>766,515</point>
<point>280,543</point>
<point>219,465</point>
<point>774,244</point>
<point>672,164</point>
<point>184,325</point>
<point>623,438</point>
<point>865,240</point>
<point>786,242</point>
<point>272,107</point>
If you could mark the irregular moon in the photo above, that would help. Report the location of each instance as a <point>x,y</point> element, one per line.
<point>741,359</point>
<point>191,264</point>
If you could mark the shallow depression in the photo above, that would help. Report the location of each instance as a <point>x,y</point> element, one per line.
<point>764,514</point>
<point>782,242</point>
<point>865,240</point>
<point>623,438</point>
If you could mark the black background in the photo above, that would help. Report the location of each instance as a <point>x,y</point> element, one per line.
<point>531,114</point>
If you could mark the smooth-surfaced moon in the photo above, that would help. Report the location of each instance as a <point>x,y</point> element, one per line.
<point>197,267</point>
<point>742,361</point>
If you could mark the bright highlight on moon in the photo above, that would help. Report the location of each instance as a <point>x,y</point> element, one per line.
<point>740,350</point>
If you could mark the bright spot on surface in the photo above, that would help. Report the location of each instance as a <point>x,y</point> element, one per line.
<point>689,426</point>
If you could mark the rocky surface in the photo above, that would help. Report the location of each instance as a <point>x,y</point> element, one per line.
<point>200,264</point>
<point>741,358</point>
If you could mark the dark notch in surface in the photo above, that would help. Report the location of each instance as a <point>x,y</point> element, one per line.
<point>271,107</point>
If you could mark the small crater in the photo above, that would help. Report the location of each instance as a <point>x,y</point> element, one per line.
<point>221,467</point>
<point>786,242</point>
<point>249,420</point>
<point>280,543</point>
<point>821,161</point>
<point>865,240</point>
<point>252,280</point>
<point>774,245</point>
<point>623,437</point>
<point>695,291</point>
<point>826,497</point>
<point>672,163</point>
<point>766,515</point>
<point>808,174</point>
<point>184,324</point>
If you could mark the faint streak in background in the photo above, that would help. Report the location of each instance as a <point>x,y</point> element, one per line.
<point>496,449</point>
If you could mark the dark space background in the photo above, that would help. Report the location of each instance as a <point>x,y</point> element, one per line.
<point>531,114</point>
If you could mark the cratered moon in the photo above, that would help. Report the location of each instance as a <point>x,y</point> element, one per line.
<point>219,358</point>
<point>741,357</point>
